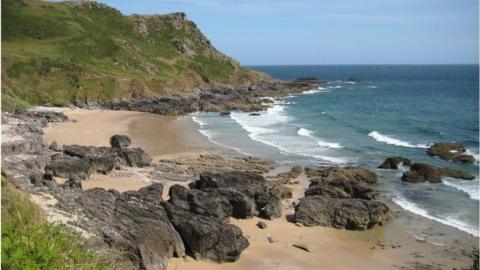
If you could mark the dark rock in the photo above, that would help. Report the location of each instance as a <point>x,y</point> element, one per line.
<point>450,152</point>
<point>267,196</point>
<point>262,225</point>
<point>54,146</point>
<point>134,222</point>
<point>348,173</point>
<point>48,116</point>
<point>341,188</point>
<point>457,174</point>
<point>206,237</point>
<point>351,214</point>
<point>313,80</point>
<point>354,80</point>
<point>120,141</point>
<point>66,167</point>
<point>73,183</point>
<point>254,114</point>
<point>393,162</point>
<point>302,247</point>
<point>421,172</point>
<point>464,159</point>
<point>200,202</point>
<point>136,157</point>
<point>226,113</point>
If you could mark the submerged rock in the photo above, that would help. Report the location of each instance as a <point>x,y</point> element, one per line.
<point>394,162</point>
<point>450,152</point>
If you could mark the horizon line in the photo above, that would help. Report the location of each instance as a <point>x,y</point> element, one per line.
<point>426,64</point>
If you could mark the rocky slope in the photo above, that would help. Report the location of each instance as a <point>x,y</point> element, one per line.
<point>76,51</point>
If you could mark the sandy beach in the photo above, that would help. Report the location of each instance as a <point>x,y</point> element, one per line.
<point>406,242</point>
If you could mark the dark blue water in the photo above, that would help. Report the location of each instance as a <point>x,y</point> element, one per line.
<point>394,110</point>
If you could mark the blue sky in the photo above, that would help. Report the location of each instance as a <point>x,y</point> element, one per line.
<point>331,32</point>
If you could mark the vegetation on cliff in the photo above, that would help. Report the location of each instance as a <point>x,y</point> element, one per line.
<point>29,242</point>
<point>67,52</point>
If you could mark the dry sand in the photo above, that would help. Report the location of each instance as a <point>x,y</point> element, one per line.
<point>150,132</point>
<point>393,246</point>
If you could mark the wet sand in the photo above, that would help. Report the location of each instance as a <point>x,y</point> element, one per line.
<point>406,242</point>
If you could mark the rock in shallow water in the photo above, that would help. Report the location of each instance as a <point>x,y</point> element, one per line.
<point>393,162</point>
<point>421,172</point>
<point>450,151</point>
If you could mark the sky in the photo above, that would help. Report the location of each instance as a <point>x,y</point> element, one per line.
<point>280,32</point>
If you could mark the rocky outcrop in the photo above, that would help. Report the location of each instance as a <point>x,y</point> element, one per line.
<point>351,214</point>
<point>83,160</point>
<point>266,195</point>
<point>394,162</point>
<point>134,222</point>
<point>421,172</point>
<point>313,80</point>
<point>207,237</point>
<point>341,198</point>
<point>450,152</point>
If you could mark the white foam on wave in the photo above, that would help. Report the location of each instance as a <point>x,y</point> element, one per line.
<point>210,135</point>
<point>372,86</point>
<point>475,155</point>
<point>261,128</point>
<point>335,87</point>
<point>449,221</point>
<point>318,90</point>
<point>379,137</point>
<point>304,132</point>
<point>469,187</point>
<point>329,145</point>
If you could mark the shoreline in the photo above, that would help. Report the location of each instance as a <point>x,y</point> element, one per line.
<point>389,246</point>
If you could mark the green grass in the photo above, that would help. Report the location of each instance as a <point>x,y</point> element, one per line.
<point>59,53</point>
<point>29,242</point>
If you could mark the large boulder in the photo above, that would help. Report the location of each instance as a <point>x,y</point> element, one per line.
<point>134,222</point>
<point>421,172</point>
<point>66,167</point>
<point>450,152</point>
<point>351,214</point>
<point>266,195</point>
<point>207,237</point>
<point>393,162</point>
<point>120,141</point>
<point>135,157</point>
<point>200,202</point>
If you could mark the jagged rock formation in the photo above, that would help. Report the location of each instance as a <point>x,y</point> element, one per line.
<point>341,198</point>
<point>394,162</point>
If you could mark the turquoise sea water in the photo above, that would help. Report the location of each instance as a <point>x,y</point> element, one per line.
<point>394,110</point>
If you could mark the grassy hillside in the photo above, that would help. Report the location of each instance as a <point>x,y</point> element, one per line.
<point>59,53</point>
<point>28,242</point>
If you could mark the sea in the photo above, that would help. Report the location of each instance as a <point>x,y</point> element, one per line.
<point>395,110</point>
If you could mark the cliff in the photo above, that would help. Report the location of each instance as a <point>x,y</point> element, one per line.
<point>77,51</point>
